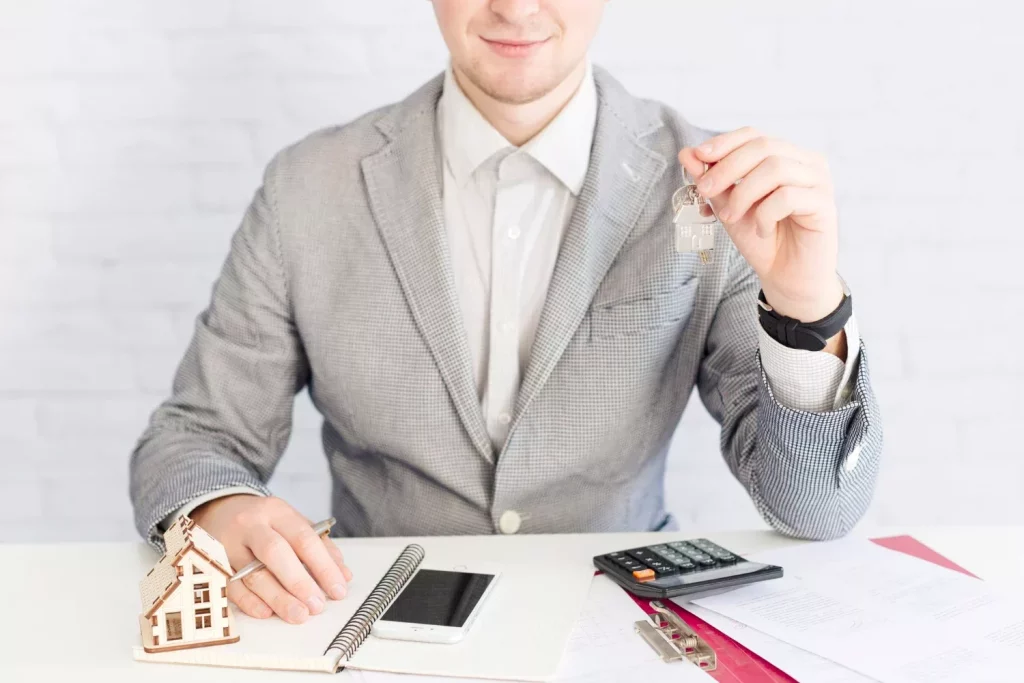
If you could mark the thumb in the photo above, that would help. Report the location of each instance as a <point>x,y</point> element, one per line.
<point>691,164</point>
<point>694,166</point>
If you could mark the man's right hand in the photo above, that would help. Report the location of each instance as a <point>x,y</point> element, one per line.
<point>253,527</point>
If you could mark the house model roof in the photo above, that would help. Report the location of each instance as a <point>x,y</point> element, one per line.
<point>180,538</point>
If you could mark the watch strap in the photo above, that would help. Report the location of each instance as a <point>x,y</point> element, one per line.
<point>812,336</point>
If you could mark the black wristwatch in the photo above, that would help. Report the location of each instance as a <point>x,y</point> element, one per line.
<point>807,336</point>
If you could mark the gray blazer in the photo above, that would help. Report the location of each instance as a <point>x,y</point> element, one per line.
<point>339,281</point>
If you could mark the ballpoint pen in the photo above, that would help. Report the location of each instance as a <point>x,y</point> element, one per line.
<point>320,529</point>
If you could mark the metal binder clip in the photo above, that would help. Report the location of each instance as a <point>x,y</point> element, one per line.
<point>673,640</point>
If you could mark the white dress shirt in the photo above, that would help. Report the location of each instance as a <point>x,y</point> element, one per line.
<point>506,210</point>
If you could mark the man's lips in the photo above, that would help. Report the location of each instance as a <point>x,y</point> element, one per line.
<point>514,48</point>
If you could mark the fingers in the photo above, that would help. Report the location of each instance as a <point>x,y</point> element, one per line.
<point>717,148</point>
<point>732,156</point>
<point>247,601</point>
<point>735,167</point>
<point>785,202</point>
<point>287,587</point>
<point>714,149</point>
<point>338,558</point>
<point>262,583</point>
<point>314,554</point>
<point>298,561</point>
<point>769,175</point>
<point>695,168</point>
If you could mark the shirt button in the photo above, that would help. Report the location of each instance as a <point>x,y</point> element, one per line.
<point>505,327</point>
<point>514,232</point>
<point>510,522</point>
<point>504,418</point>
<point>852,458</point>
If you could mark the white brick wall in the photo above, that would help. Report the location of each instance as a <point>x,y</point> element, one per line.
<point>133,133</point>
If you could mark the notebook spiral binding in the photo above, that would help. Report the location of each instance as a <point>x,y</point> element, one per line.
<point>358,627</point>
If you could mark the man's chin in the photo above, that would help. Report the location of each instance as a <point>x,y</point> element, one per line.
<point>516,88</point>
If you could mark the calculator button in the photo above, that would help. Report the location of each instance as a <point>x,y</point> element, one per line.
<point>644,575</point>
<point>690,552</point>
<point>632,565</point>
<point>662,551</point>
<point>628,563</point>
<point>643,554</point>
<point>716,551</point>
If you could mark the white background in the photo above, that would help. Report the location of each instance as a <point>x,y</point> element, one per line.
<point>133,134</point>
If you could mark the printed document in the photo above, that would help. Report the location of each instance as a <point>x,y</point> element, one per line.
<point>884,614</point>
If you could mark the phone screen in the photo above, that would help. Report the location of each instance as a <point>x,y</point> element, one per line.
<point>438,598</point>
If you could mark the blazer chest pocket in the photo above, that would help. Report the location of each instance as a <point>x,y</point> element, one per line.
<point>636,315</point>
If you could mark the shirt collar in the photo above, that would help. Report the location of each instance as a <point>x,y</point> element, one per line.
<point>562,147</point>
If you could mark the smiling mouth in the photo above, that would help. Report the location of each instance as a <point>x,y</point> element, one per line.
<point>514,48</point>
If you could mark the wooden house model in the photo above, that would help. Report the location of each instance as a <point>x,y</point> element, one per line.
<point>184,597</point>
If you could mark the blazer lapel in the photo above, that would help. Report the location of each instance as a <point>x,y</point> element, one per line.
<point>618,184</point>
<point>403,181</point>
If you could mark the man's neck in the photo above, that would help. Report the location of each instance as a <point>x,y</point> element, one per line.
<point>519,123</point>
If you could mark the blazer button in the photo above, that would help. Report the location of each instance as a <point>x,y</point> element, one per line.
<point>509,522</point>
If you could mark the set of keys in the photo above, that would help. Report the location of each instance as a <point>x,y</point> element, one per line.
<point>695,220</point>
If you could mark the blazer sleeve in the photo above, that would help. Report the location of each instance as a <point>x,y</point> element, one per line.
<point>228,418</point>
<point>810,474</point>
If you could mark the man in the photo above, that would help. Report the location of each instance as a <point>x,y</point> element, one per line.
<point>479,287</point>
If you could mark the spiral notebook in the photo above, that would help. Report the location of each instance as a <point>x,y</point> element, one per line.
<point>532,608</point>
<point>318,644</point>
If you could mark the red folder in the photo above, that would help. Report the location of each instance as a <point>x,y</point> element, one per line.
<point>737,664</point>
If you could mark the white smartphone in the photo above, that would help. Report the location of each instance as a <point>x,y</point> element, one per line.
<point>437,605</point>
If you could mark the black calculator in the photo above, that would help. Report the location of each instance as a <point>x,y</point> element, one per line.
<point>682,568</point>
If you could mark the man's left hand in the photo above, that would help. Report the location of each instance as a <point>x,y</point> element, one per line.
<point>777,203</point>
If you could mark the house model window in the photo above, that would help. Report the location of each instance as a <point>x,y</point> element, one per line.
<point>177,613</point>
<point>173,625</point>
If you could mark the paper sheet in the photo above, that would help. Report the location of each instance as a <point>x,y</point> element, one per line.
<point>883,614</point>
<point>800,664</point>
<point>603,648</point>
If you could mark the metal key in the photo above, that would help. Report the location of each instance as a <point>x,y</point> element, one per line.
<point>695,220</point>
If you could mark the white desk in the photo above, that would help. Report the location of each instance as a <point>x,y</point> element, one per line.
<point>69,611</point>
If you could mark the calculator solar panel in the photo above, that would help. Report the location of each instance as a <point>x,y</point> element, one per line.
<point>681,568</point>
